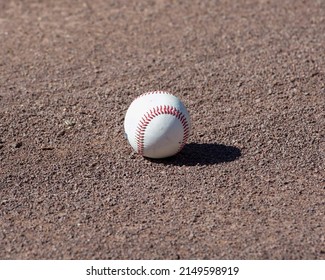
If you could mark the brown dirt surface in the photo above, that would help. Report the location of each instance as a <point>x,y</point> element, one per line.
<point>249,185</point>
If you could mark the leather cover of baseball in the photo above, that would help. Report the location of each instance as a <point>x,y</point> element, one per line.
<point>157,124</point>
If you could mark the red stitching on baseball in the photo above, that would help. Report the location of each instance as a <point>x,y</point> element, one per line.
<point>160,110</point>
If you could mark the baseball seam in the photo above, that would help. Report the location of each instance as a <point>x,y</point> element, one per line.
<point>160,110</point>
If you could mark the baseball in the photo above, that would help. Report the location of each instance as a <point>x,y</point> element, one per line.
<point>157,124</point>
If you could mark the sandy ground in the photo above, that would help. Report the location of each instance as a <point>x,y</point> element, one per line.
<point>250,184</point>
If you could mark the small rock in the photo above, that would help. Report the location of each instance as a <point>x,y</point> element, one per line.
<point>69,123</point>
<point>18,145</point>
<point>60,133</point>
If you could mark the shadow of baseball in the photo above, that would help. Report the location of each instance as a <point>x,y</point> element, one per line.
<point>202,154</point>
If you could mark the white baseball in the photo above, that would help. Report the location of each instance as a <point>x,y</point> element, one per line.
<point>157,124</point>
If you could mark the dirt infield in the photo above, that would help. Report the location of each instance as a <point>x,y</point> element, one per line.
<point>249,185</point>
